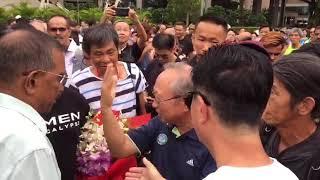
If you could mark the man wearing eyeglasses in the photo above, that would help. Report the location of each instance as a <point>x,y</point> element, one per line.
<point>31,75</point>
<point>175,148</point>
<point>59,28</point>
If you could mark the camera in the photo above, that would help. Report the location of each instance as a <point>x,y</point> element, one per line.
<point>122,11</point>
<point>121,7</point>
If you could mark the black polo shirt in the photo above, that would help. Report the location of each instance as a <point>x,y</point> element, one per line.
<point>297,158</point>
<point>131,53</point>
<point>64,121</point>
<point>186,45</point>
<point>175,158</point>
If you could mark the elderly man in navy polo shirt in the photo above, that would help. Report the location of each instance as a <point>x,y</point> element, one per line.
<point>175,149</point>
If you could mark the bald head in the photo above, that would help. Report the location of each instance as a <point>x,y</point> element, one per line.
<point>244,36</point>
<point>170,31</point>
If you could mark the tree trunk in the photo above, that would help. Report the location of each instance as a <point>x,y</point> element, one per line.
<point>256,6</point>
<point>241,18</point>
<point>273,11</point>
<point>188,18</point>
<point>282,12</point>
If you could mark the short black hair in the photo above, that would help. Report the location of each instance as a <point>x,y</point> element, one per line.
<point>163,41</point>
<point>300,75</point>
<point>237,81</point>
<point>22,25</point>
<point>99,35</point>
<point>214,20</point>
<point>25,50</point>
<point>68,20</point>
<point>180,23</point>
<point>264,26</point>
<point>3,29</point>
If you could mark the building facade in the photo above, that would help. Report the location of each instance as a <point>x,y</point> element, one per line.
<point>296,11</point>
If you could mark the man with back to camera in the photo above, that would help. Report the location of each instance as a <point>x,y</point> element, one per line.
<point>232,84</point>
<point>226,110</point>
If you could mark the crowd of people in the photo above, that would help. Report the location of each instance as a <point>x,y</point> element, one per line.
<point>226,104</point>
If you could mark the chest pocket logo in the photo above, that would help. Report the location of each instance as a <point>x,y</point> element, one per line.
<point>162,139</point>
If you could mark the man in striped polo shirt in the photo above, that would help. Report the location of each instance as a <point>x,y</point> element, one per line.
<point>100,43</point>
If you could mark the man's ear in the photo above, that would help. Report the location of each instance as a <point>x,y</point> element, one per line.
<point>86,59</point>
<point>31,82</point>
<point>306,106</point>
<point>204,110</point>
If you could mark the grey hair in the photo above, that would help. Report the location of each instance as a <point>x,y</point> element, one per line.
<point>25,50</point>
<point>183,84</point>
<point>297,30</point>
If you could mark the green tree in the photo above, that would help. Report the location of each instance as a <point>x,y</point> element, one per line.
<point>22,9</point>
<point>183,10</point>
<point>91,14</point>
<point>217,11</point>
<point>4,16</point>
<point>256,20</point>
<point>46,13</point>
<point>314,11</point>
<point>158,15</point>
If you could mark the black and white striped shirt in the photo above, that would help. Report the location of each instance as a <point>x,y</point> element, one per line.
<point>89,86</point>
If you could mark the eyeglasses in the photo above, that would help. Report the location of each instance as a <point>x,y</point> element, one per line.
<point>205,99</point>
<point>62,78</point>
<point>164,100</point>
<point>58,29</point>
<point>157,100</point>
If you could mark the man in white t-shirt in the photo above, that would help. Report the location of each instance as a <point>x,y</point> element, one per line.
<point>232,84</point>
<point>232,87</point>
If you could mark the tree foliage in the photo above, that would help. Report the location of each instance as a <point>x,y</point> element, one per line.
<point>176,10</point>
<point>238,17</point>
<point>314,11</point>
<point>181,10</point>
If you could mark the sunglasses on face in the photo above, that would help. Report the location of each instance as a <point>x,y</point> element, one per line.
<point>58,29</point>
<point>205,99</point>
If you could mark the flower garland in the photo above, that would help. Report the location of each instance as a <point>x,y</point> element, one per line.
<point>93,155</point>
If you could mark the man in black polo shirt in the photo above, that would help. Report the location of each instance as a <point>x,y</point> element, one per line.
<point>175,148</point>
<point>292,109</point>
<point>184,39</point>
<point>164,45</point>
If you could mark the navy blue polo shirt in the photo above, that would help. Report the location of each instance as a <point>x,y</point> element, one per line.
<point>182,157</point>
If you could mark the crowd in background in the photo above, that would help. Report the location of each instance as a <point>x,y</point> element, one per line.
<point>186,76</point>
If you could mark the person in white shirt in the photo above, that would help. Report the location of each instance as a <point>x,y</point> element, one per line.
<point>31,75</point>
<point>59,28</point>
<point>232,87</point>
